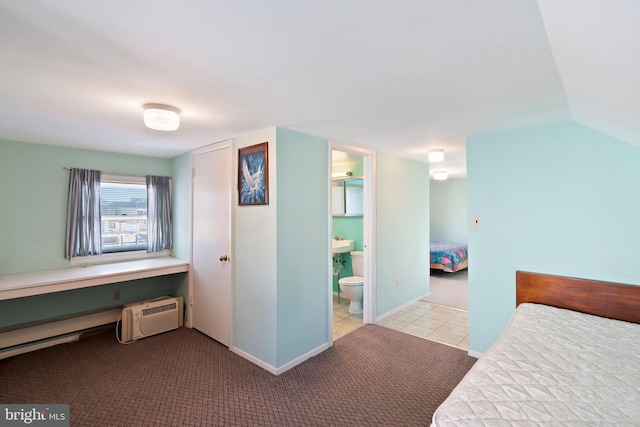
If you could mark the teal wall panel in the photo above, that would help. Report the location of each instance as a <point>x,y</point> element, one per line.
<point>402,231</point>
<point>181,194</point>
<point>303,235</point>
<point>33,191</point>
<point>350,228</point>
<point>449,211</point>
<point>40,307</point>
<point>33,197</point>
<point>181,188</point>
<point>255,262</point>
<point>560,199</point>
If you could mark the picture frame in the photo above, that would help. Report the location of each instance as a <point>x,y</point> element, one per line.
<point>253,175</point>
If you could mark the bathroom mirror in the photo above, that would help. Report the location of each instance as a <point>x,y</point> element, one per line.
<point>347,197</point>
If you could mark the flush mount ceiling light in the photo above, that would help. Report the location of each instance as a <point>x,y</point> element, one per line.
<point>436,155</point>
<point>161,117</point>
<point>439,176</point>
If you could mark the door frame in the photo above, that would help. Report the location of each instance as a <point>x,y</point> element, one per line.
<point>228,143</point>
<point>369,231</point>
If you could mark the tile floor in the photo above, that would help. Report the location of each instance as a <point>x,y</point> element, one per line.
<point>343,321</point>
<point>434,322</point>
<point>423,319</point>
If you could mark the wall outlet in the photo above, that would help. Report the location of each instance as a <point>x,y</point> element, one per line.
<point>116,294</point>
<point>398,281</point>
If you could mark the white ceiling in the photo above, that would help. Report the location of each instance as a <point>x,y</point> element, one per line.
<point>400,77</point>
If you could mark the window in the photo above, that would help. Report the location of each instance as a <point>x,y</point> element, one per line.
<point>107,216</point>
<point>123,213</point>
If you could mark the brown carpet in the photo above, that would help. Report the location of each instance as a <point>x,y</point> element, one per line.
<point>372,377</point>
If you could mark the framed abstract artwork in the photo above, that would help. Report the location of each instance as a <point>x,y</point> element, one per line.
<point>253,175</point>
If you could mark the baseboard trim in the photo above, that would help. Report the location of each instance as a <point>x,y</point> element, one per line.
<point>400,308</point>
<point>264,365</point>
<point>284,368</point>
<point>299,360</point>
<point>475,354</point>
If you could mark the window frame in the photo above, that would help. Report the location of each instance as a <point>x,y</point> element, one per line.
<point>107,257</point>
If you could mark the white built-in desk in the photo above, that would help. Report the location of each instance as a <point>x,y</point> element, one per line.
<point>64,279</point>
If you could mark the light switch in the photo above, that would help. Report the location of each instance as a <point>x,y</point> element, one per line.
<point>477,221</point>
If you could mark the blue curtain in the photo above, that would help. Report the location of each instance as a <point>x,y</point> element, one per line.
<point>83,214</point>
<point>158,213</point>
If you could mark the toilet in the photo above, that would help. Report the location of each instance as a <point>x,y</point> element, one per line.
<point>352,287</point>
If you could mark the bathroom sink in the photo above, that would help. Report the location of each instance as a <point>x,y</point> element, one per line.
<point>341,246</point>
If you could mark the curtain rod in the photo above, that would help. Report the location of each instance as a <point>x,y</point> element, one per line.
<point>68,168</point>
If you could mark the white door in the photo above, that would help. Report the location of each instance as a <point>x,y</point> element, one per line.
<point>211,241</point>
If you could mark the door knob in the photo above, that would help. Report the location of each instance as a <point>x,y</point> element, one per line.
<point>224,258</point>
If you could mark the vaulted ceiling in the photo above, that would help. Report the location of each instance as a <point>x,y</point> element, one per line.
<point>400,77</point>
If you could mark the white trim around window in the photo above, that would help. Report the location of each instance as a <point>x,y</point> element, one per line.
<point>115,257</point>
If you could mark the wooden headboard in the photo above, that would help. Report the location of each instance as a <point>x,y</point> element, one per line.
<point>612,300</point>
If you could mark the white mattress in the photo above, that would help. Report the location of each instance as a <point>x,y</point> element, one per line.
<point>552,367</point>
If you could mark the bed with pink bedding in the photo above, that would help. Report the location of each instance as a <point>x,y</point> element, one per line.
<point>450,257</point>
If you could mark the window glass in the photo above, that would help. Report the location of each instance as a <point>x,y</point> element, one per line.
<point>123,208</point>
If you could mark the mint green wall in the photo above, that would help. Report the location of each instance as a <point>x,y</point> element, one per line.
<point>351,228</point>
<point>302,244</point>
<point>181,195</point>
<point>32,177</point>
<point>40,307</point>
<point>402,231</point>
<point>255,261</point>
<point>33,198</point>
<point>449,211</point>
<point>280,250</point>
<point>559,199</point>
<point>348,227</point>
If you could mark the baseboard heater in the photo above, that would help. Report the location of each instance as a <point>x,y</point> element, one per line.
<point>155,316</point>
<point>43,333</point>
<point>143,319</point>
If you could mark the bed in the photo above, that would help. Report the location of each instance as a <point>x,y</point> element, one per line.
<point>570,356</point>
<point>450,257</point>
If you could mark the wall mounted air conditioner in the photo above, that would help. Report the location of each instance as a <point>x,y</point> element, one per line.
<point>143,319</point>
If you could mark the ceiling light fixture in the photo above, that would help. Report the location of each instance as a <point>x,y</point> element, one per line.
<point>161,117</point>
<point>339,175</point>
<point>436,155</point>
<point>440,176</point>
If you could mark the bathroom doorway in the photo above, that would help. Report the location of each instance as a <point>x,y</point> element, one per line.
<point>351,222</point>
